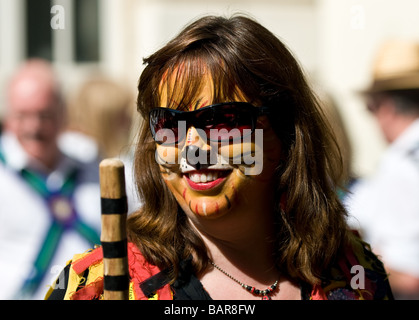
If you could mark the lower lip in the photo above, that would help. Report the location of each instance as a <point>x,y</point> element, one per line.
<point>204,185</point>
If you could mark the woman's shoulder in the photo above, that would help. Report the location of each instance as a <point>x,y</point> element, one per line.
<point>357,274</point>
<point>82,278</point>
<point>85,269</point>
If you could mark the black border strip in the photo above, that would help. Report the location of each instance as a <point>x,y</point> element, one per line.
<point>114,206</point>
<point>116,283</point>
<point>114,249</point>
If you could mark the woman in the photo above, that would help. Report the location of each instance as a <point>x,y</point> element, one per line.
<point>238,172</point>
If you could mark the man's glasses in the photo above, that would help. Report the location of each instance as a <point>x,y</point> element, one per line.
<point>220,122</point>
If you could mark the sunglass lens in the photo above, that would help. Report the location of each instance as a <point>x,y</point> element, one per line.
<point>227,122</point>
<point>164,126</point>
<point>223,122</point>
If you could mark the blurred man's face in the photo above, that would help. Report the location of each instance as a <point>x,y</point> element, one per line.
<point>35,118</point>
<point>384,111</point>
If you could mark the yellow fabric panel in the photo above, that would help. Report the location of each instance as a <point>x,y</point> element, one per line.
<point>95,272</point>
<point>74,279</point>
<point>51,287</point>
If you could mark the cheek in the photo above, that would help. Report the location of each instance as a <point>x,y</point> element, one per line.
<point>166,155</point>
<point>238,153</point>
<point>256,156</point>
<point>247,155</point>
<point>168,176</point>
<point>15,126</point>
<point>175,185</point>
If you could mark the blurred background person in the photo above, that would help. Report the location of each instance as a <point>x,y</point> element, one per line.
<point>336,121</point>
<point>100,111</point>
<point>49,202</point>
<point>385,208</point>
<point>100,119</point>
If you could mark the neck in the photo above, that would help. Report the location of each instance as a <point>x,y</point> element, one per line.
<point>242,240</point>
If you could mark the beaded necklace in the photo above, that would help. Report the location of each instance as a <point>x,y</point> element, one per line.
<point>264,293</point>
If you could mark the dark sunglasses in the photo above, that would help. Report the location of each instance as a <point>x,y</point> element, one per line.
<point>220,122</point>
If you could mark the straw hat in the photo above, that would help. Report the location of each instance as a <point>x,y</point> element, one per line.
<point>396,67</point>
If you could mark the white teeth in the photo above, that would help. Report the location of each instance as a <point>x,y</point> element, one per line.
<point>204,177</point>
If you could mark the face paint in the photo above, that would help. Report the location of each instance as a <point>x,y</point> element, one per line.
<point>211,189</point>
<point>201,206</point>
<point>189,138</point>
<point>209,179</point>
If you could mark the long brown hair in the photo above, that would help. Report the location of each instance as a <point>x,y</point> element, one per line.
<point>243,56</point>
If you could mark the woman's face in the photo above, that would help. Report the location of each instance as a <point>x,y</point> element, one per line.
<point>209,179</point>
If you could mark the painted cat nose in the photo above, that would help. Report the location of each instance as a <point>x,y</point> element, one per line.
<point>197,158</point>
<point>196,137</point>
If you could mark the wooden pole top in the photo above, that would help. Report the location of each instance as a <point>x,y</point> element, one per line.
<point>112,178</point>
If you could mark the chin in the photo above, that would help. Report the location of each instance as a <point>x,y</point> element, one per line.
<point>209,195</point>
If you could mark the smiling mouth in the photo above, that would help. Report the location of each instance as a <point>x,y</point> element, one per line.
<point>207,175</point>
<point>205,179</point>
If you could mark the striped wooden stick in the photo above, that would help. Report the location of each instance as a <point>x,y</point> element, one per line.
<point>114,235</point>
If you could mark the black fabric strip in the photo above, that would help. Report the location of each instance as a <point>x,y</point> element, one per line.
<point>114,249</point>
<point>116,283</point>
<point>152,284</point>
<point>114,206</point>
<point>61,284</point>
<point>187,286</point>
